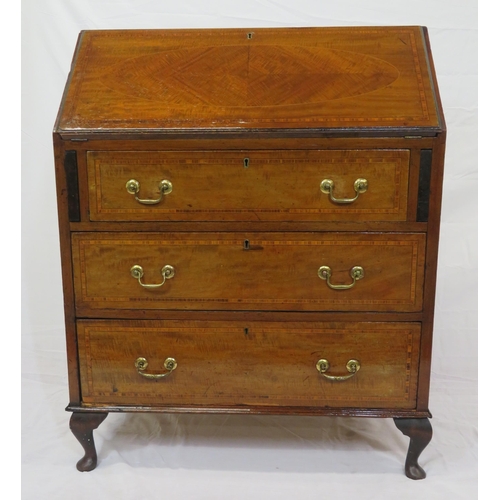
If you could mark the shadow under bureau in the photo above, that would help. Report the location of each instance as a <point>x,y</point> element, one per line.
<point>249,223</point>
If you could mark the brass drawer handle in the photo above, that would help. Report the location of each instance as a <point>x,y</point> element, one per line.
<point>137,272</point>
<point>360,186</point>
<point>141,364</point>
<point>357,273</point>
<point>133,187</point>
<point>353,366</point>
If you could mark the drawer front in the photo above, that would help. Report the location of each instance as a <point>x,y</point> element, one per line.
<point>248,185</point>
<point>257,271</point>
<point>255,363</point>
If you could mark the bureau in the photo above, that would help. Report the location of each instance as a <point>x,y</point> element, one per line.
<point>249,224</point>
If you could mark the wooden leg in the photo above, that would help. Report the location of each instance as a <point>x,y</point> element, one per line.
<point>419,431</point>
<point>82,426</point>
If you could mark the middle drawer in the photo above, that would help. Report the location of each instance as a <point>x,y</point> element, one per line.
<point>254,271</point>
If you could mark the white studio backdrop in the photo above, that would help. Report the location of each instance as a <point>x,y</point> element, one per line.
<point>218,457</point>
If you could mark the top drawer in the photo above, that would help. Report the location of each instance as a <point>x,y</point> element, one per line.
<point>366,185</point>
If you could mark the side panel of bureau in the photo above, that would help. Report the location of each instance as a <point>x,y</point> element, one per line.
<point>249,363</point>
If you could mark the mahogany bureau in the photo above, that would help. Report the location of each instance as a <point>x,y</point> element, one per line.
<point>249,224</point>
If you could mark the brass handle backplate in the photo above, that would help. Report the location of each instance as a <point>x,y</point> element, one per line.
<point>137,272</point>
<point>133,187</point>
<point>357,273</point>
<point>353,366</point>
<point>141,364</point>
<point>327,185</point>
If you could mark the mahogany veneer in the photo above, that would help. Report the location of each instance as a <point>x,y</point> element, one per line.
<point>272,192</point>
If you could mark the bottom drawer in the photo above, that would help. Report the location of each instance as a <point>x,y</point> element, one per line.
<point>249,363</point>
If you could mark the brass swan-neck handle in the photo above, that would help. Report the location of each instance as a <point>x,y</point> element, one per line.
<point>141,364</point>
<point>357,273</point>
<point>353,366</point>
<point>133,187</point>
<point>137,272</point>
<point>327,185</point>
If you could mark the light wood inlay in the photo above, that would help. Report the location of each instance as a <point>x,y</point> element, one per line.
<point>249,75</point>
<point>282,185</point>
<point>278,271</point>
<point>246,311</point>
<point>279,78</point>
<point>250,363</point>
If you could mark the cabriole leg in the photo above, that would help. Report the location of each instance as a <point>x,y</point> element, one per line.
<point>419,431</point>
<point>82,426</point>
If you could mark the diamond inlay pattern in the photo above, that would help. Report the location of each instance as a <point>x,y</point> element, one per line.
<point>250,76</point>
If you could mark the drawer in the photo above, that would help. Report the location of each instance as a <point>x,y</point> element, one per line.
<point>248,185</point>
<point>254,363</point>
<point>254,271</point>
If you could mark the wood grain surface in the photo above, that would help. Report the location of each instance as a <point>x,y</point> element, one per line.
<point>278,271</point>
<point>246,315</point>
<point>249,363</point>
<point>249,185</point>
<point>247,79</point>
